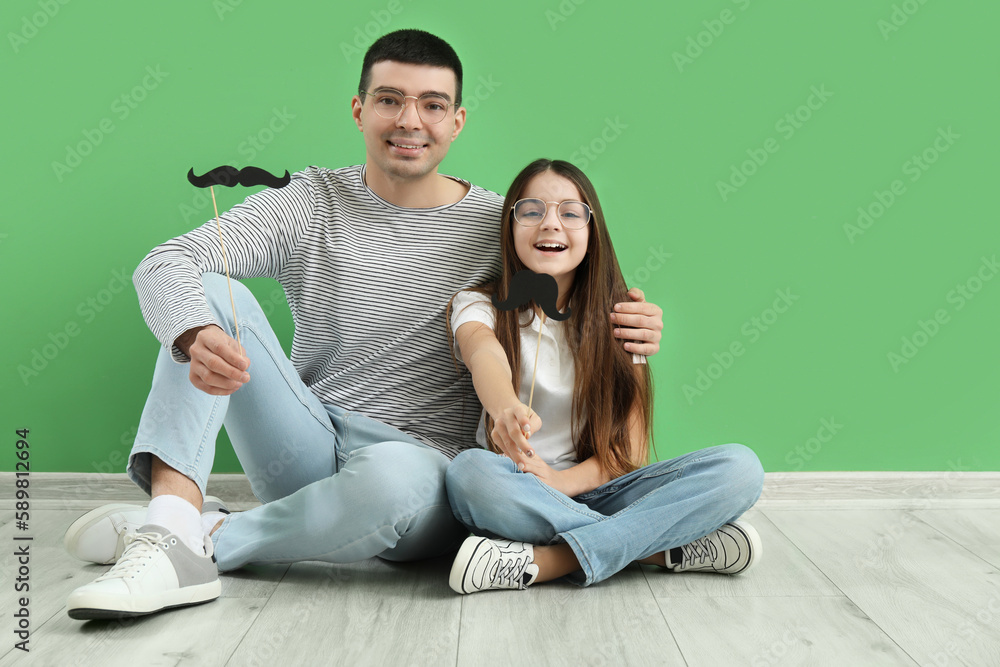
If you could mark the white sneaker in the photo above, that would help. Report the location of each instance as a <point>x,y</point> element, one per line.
<point>99,535</point>
<point>484,564</point>
<point>731,549</point>
<point>156,572</point>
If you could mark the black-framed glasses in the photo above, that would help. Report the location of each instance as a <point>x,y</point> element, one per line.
<point>572,214</point>
<point>388,103</point>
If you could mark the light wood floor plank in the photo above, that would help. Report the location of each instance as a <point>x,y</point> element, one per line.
<point>927,593</point>
<point>824,505</point>
<point>54,574</point>
<point>765,631</point>
<point>615,622</point>
<point>926,581</point>
<point>889,486</point>
<point>367,613</point>
<point>783,570</point>
<point>202,635</point>
<point>978,530</point>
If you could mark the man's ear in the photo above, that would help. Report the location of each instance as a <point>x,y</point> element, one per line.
<point>459,122</point>
<point>356,111</point>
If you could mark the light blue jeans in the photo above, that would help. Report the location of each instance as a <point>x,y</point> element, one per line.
<point>660,506</point>
<point>336,485</point>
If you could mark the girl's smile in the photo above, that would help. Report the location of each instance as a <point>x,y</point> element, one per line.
<point>549,247</point>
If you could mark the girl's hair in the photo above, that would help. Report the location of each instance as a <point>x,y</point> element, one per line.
<point>608,385</point>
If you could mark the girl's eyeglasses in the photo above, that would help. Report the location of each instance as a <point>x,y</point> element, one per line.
<point>572,214</point>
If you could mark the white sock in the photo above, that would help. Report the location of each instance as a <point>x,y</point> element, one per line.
<point>180,518</point>
<point>209,519</point>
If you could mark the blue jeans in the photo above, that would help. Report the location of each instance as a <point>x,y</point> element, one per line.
<point>658,507</point>
<point>336,485</point>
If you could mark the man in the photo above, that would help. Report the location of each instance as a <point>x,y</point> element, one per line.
<point>347,443</point>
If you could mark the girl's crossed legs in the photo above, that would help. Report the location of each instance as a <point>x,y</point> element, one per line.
<point>662,506</point>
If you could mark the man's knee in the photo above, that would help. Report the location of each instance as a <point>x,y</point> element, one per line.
<point>216,288</point>
<point>467,474</point>
<point>412,477</point>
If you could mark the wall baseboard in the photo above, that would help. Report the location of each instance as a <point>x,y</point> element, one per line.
<point>782,490</point>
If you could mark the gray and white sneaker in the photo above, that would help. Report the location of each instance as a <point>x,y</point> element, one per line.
<point>99,535</point>
<point>731,549</point>
<point>485,564</point>
<point>157,571</point>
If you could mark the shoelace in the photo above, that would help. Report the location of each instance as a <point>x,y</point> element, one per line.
<point>509,574</point>
<point>139,547</point>
<point>700,549</point>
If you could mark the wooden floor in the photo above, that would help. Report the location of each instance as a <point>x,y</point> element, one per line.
<point>859,569</point>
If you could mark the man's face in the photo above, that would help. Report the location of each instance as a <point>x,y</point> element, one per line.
<point>407,147</point>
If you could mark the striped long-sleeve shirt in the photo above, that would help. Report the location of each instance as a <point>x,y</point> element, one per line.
<point>367,283</point>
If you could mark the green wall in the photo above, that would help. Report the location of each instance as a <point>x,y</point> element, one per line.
<point>833,161</point>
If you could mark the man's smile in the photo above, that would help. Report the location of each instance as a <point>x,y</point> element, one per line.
<point>406,147</point>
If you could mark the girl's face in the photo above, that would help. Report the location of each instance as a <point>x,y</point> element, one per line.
<point>549,247</point>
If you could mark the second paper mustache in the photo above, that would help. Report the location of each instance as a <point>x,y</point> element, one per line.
<point>231,176</point>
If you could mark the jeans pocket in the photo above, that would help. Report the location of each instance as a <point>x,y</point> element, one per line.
<point>675,472</point>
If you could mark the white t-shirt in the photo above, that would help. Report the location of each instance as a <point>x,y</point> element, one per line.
<point>553,400</point>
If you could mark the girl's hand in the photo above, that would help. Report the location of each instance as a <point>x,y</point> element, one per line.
<point>540,469</point>
<point>512,428</point>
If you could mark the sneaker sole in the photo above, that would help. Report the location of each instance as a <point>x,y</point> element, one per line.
<point>96,607</point>
<point>756,546</point>
<point>463,561</point>
<point>81,525</point>
<point>213,504</point>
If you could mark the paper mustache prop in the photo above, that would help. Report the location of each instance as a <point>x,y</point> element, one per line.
<point>527,286</point>
<point>247,176</point>
<point>227,176</point>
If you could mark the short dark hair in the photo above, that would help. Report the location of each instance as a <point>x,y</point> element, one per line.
<point>415,47</point>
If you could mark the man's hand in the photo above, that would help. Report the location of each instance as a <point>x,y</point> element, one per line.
<point>218,363</point>
<point>647,320</point>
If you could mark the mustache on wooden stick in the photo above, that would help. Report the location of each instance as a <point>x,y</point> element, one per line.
<point>527,286</point>
<point>228,176</point>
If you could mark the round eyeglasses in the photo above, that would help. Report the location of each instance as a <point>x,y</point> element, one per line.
<point>572,214</point>
<point>431,108</point>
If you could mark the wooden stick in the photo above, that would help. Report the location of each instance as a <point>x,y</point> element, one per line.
<point>538,346</point>
<point>225,264</point>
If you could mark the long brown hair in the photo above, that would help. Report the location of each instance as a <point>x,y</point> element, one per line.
<point>608,386</point>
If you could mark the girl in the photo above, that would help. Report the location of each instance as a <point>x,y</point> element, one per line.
<point>571,495</point>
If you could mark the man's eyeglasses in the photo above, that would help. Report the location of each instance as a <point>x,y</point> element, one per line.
<point>389,104</point>
<point>572,214</point>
